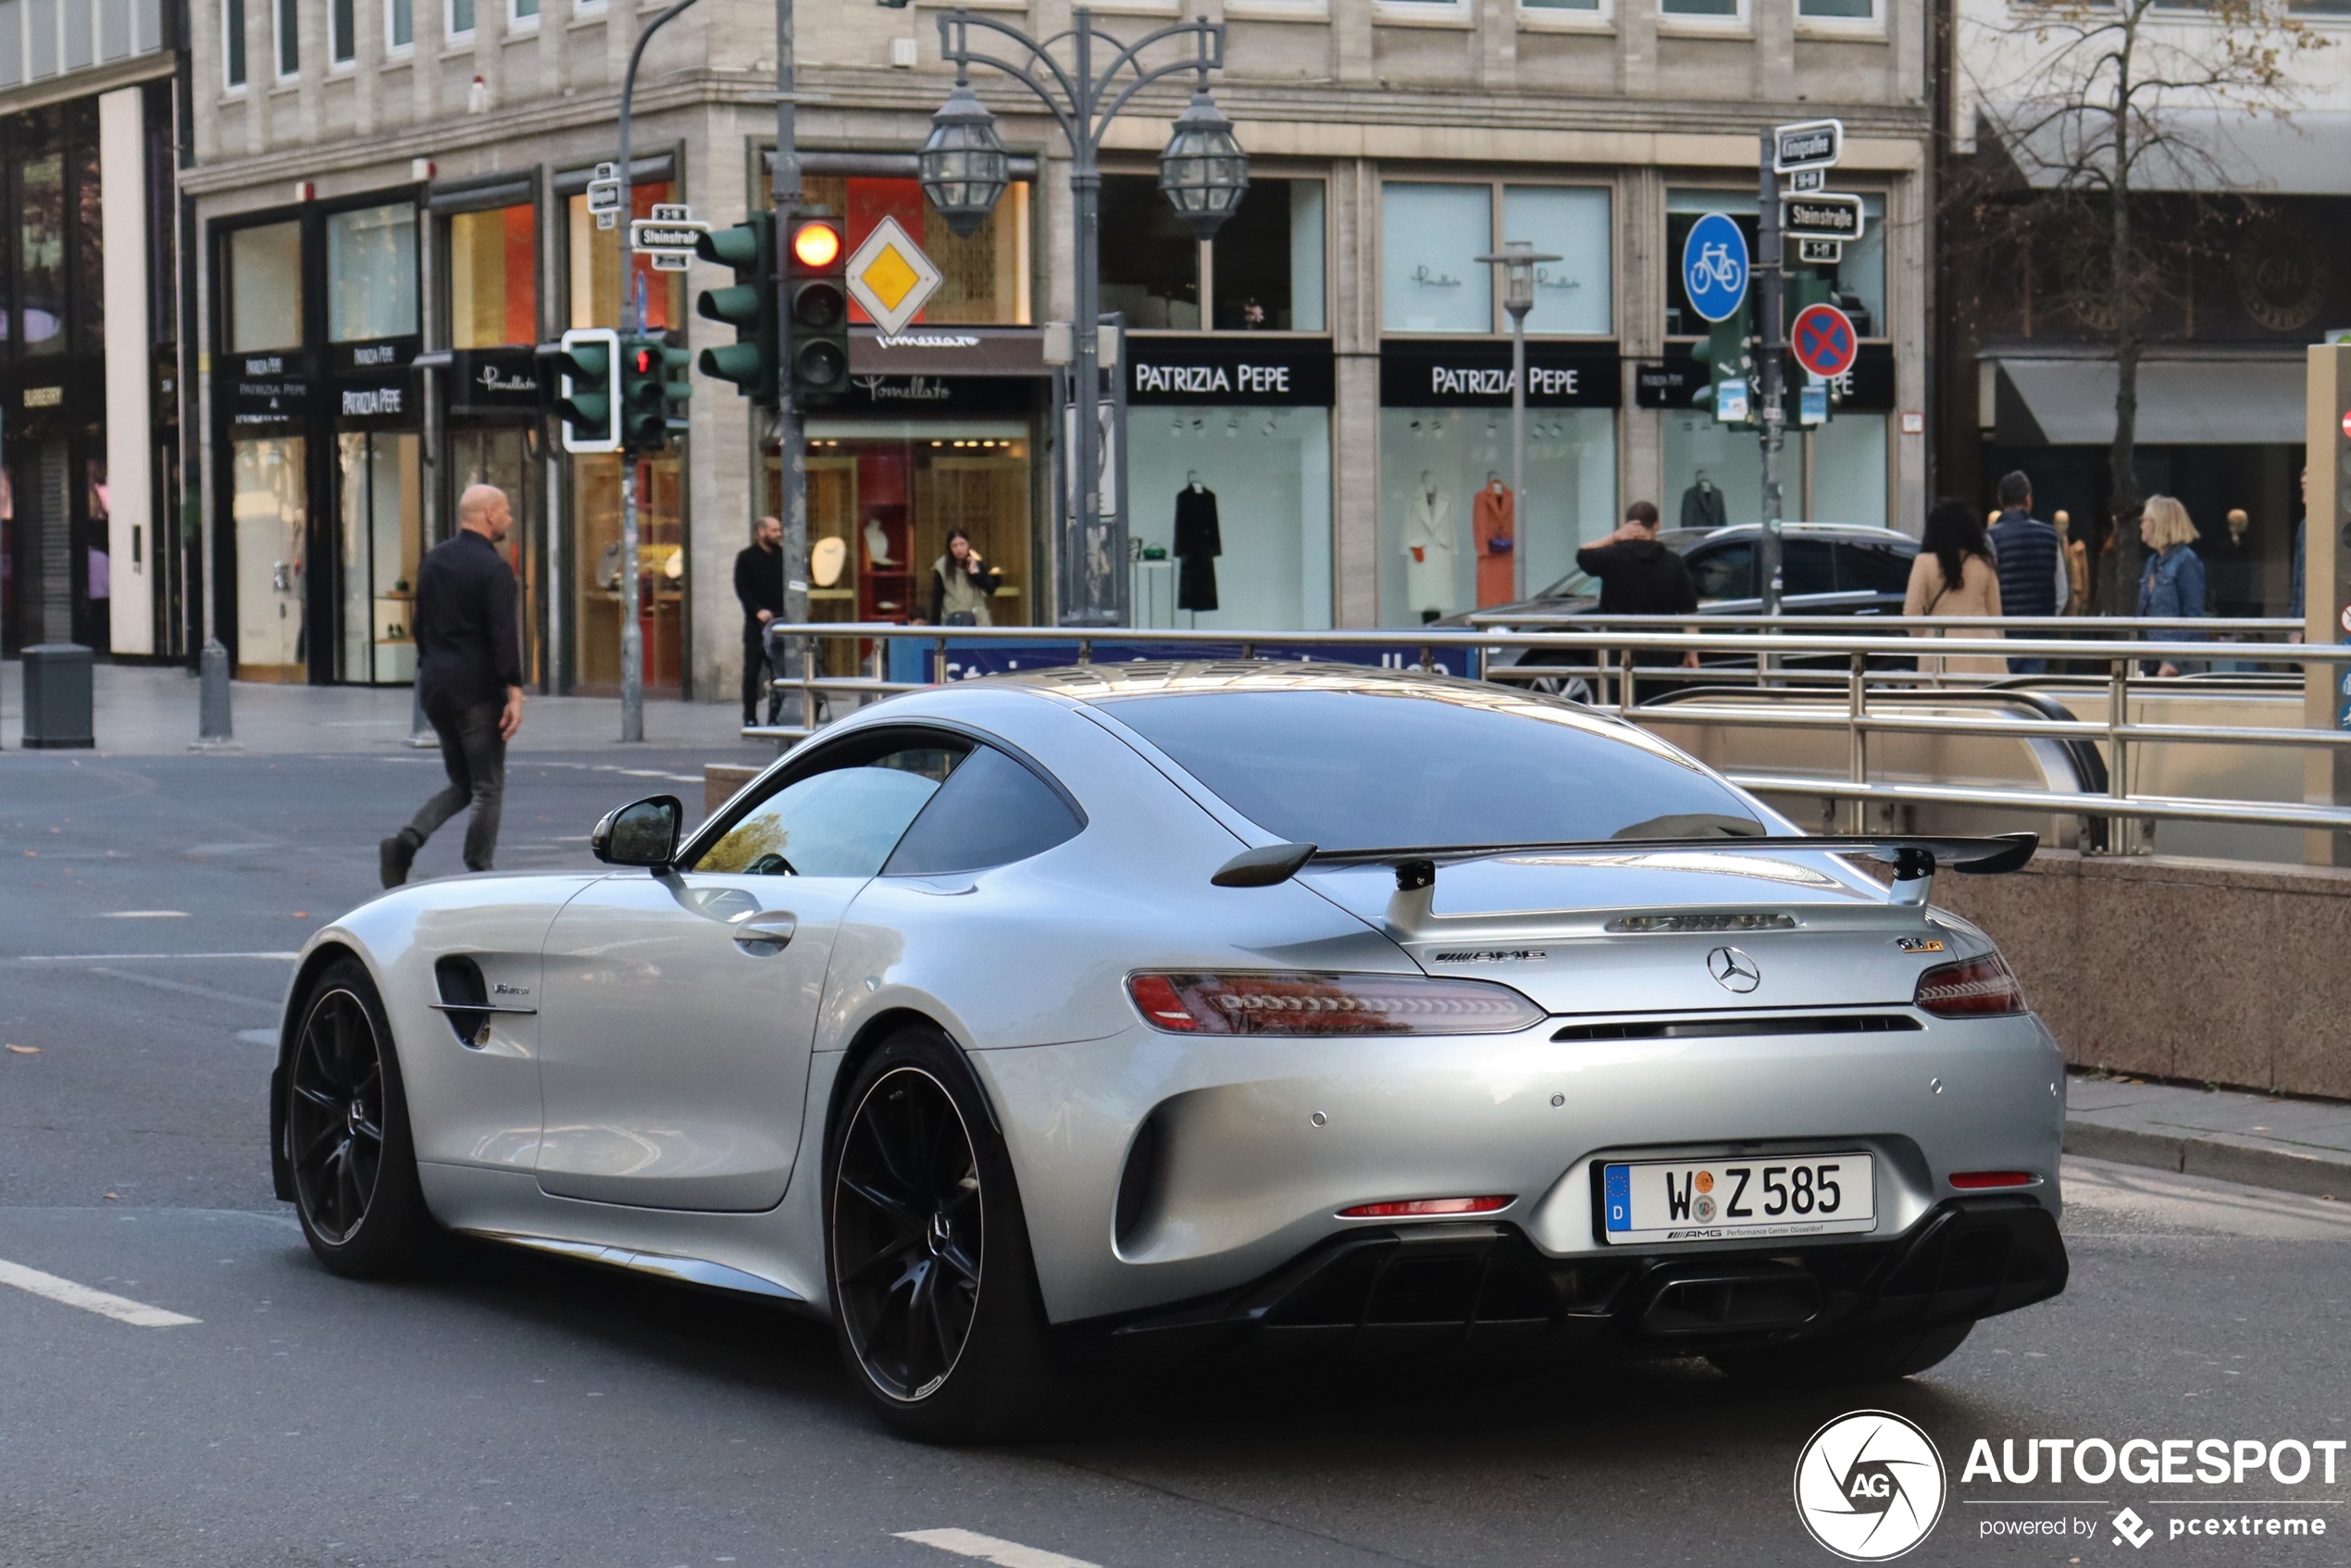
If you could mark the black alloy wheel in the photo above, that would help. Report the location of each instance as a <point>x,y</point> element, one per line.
<point>335,1115</point>
<point>909,1233</point>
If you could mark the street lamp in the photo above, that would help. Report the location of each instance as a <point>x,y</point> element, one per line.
<point>1203,171</point>
<point>1517,259</point>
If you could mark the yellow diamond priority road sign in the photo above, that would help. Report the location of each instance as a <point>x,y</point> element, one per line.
<point>890,276</point>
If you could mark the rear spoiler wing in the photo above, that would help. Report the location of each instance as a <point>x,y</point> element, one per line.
<point>1914,858</point>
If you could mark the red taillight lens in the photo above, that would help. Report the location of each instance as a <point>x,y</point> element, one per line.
<point>1991,1179</point>
<point>1980,988</point>
<point>1417,1206</point>
<point>1260,1004</point>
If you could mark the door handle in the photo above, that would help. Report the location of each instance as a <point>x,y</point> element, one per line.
<point>769,931</point>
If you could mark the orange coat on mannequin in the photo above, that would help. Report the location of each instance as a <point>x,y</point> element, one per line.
<point>1493,519</point>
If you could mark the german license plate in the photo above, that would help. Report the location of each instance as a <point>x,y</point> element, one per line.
<point>1706,1200</point>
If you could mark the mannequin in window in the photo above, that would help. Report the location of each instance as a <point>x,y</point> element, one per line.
<point>1428,550</point>
<point>1703,504</point>
<point>1494,527</point>
<point>1198,543</point>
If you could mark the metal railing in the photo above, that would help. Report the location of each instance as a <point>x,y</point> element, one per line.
<point>1774,658</point>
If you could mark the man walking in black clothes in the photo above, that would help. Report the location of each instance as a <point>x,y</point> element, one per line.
<point>759,584</point>
<point>469,676</point>
<point>2031,559</point>
<point>1640,577</point>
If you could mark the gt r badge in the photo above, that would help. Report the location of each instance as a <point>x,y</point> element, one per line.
<point>1734,970</point>
<point>1919,944</point>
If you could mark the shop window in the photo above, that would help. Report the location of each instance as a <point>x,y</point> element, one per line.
<point>400,26</point>
<point>41,232</point>
<point>1571,295</point>
<point>493,278</point>
<point>87,297</point>
<point>1428,236</point>
<point>342,31</point>
<point>1150,262</point>
<point>598,564</point>
<point>1859,280</point>
<point>595,269</point>
<point>380,516</point>
<point>1266,263</point>
<point>1831,473</point>
<point>985,275</point>
<point>266,478</point>
<point>1260,477</point>
<point>232,44</point>
<point>287,30</point>
<point>371,273</point>
<point>264,287</point>
<point>1433,463</point>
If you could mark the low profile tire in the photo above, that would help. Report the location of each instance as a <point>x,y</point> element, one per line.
<point>934,1290</point>
<point>347,1137</point>
<point>1864,1358</point>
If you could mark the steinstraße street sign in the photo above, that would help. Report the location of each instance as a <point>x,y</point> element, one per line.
<point>1714,267</point>
<point>890,276</point>
<point>1813,144</point>
<point>1821,215</point>
<point>1824,340</point>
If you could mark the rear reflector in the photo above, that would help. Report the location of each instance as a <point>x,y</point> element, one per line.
<point>1288,1003</point>
<point>1426,1206</point>
<point>1991,1179</point>
<point>1979,988</point>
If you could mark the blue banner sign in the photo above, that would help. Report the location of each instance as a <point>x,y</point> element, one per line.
<point>969,661</point>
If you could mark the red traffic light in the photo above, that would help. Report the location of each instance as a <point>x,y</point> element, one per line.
<point>644,358</point>
<point>815,245</point>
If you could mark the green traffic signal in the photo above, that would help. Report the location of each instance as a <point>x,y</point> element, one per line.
<point>749,307</point>
<point>585,363</point>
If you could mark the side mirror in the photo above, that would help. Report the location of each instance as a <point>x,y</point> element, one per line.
<point>640,833</point>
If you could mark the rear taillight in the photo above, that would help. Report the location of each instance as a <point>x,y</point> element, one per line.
<point>1979,988</point>
<point>1277,1003</point>
<point>1415,1208</point>
<point>1976,1180</point>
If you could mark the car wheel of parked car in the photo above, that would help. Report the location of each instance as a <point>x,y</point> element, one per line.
<point>1864,1358</point>
<point>934,1291</point>
<point>347,1137</point>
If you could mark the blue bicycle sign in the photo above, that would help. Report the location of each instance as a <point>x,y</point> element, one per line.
<point>1714,267</point>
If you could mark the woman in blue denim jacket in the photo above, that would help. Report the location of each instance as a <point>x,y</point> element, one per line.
<point>2173,584</point>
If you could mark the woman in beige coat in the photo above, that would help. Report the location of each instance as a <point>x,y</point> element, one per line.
<point>1954,575</point>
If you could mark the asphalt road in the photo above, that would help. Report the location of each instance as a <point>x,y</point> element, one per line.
<point>520,1411</point>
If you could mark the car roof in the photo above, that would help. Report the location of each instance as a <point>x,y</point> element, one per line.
<point>1106,682</point>
<point>1857,533</point>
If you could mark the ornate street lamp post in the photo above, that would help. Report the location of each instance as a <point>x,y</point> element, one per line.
<point>1517,259</point>
<point>1203,171</point>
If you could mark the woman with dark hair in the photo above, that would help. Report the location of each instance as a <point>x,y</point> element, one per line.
<point>1955,575</point>
<point>961,584</point>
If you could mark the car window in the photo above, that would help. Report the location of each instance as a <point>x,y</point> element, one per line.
<point>1806,567</point>
<point>1879,569</point>
<point>839,822</point>
<point>1354,769</point>
<point>991,810</point>
<point>1726,571</point>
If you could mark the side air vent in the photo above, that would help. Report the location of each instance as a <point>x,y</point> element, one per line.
<point>1723,1028</point>
<point>462,989</point>
<point>1142,1186</point>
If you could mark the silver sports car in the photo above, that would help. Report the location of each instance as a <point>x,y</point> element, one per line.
<point>1183,1005</point>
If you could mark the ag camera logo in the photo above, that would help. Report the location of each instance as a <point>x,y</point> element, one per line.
<point>1869,1485</point>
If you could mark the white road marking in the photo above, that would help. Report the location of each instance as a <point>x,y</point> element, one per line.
<point>988,1549</point>
<point>155,957</point>
<point>144,914</point>
<point>263,1003</point>
<point>119,1308</point>
<point>258,1036</point>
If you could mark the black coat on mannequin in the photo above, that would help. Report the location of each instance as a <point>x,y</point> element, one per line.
<point>1197,544</point>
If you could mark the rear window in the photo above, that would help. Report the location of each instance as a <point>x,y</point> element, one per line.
<point>1390,770</point>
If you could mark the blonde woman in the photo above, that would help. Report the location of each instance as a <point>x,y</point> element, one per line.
<point>1954,575</point>
<point>2173,583</point>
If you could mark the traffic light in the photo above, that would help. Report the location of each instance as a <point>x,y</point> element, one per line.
<point>586,363</point>
<point>752,361</point>
<point>818,330</point>
<point>652,378</point>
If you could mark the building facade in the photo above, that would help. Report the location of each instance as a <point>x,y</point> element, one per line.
<point>390,206</point>
<point>91,550</point>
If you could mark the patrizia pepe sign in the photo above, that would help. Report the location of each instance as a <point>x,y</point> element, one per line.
<point>1475,373</point>
<point>1244,369</point>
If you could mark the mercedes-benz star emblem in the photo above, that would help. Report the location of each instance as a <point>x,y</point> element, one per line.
<point>1734,970</point>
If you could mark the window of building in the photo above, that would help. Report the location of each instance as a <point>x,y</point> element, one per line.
<point>232,43</point>
<point>595,269</point>
<point>1717,11</point>
<point>41,232</point>
<point>264,288</point>
<point>1431,236</point>
<point>493,278</point>
<point>288,28</point>
<point>1837,10</point>
<point>87,295</point>
<point>1563,10</point>
<point>985,275</point>
<point>1571,295</point>
<point>400,25</point>
<point>1858,281</point>
<point>1263,273</point>
<point>1150,262</point>
<point>522,15</point>
<point>1831,473</point>
<point>1251,545</point>
<point>1422,11</point>
<point>459,18</point>
<point>342,31</point>
<point>371,273</point>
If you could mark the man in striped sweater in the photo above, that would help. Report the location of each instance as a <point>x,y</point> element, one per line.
<point>2031,561</point>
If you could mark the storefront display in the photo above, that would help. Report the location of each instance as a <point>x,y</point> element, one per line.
<point>1831,473</point>
<point>1445,466</point>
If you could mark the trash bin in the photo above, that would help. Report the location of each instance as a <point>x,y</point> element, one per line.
<point>56,695</point>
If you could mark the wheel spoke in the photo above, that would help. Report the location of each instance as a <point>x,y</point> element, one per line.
<point>896,1210</point>
<point>325,1103</point>
<point>890,1256</point>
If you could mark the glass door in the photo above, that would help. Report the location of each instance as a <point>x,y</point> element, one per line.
<point>506,456</point>
<point>266,506</point>
<point>382,524</point>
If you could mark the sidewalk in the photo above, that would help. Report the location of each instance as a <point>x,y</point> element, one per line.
<point>2228,1135</point>
<point>144,710</point>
